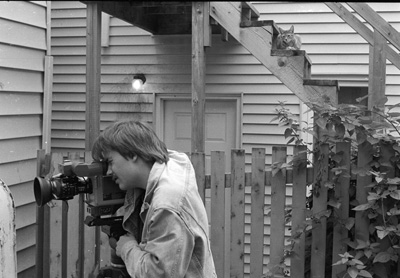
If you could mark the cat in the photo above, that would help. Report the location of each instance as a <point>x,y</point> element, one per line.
<point>288,40</point>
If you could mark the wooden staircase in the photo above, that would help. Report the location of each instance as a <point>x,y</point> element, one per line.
<point>292,67</point>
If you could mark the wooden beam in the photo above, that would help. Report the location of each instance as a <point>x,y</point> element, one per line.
<point>47,103</point>
<point>361,29</point>
<point>198,77</point>
<point>105,30</point>
<point>377,72</point>
<point>93,89</point>
<point>207,31</point>
<point>93,74</point>
<point>377,22</point>
<point>258,41</point>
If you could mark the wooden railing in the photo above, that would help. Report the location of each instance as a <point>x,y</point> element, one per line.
<point>255,238</point>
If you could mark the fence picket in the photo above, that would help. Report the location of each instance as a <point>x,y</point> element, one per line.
<point>218,210</point>
<point>320,195</point>
<point>43,220</point>
<point>299,209</point>
<point>362,222</point>
<point>278,196</point>
<point>257,212</point>
<point>56,234</point>
<point>71,215</point>
<point>342,195</point>
<point>198,161</point>
<point>89,236</point>
<point>237,213</point>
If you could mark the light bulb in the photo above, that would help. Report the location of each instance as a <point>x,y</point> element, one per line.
<point>137,84</point>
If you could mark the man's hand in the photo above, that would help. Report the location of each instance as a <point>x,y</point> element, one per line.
<point>122,241</point>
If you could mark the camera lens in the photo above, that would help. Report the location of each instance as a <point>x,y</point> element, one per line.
<point>42,191</point>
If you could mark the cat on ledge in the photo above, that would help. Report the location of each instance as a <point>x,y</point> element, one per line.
<point>288,40</point>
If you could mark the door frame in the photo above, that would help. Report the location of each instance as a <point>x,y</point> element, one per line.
<point>160,98</point>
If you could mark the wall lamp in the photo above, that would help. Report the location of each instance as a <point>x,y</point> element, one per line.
<point>138,81</point>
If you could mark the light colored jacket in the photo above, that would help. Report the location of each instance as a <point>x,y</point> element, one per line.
<point>175,241</point>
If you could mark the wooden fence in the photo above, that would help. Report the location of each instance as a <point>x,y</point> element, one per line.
<point>72,245</point>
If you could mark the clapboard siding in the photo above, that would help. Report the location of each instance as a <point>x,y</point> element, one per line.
<point>22,51</point>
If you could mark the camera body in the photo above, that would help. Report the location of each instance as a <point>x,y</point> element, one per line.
<point>102,194</point>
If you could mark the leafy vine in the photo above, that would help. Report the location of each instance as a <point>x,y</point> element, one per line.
<point>377,130</point>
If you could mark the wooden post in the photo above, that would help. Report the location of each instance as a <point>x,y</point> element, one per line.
<point>8,242</point>
<point>198,77</point>
<point>377,72</point>
<point>43,213</point>
<point>93,73</point>
<point>93,89</point>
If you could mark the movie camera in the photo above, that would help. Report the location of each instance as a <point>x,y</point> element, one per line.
<point>102,195</point>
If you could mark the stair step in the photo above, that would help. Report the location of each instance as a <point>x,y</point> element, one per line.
<point>248,7</point>
<point>321,82</point>
<point>261,23</point>
<point>288,53</point>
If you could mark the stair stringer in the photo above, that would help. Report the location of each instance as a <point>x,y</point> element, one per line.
<point>258,41</point>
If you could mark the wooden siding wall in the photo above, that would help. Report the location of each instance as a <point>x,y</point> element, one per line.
<point>22,52</point>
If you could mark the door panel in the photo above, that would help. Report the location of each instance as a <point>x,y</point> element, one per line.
<point>220,127</point>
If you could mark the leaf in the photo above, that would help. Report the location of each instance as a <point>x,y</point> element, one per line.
<point>365,273</point>
<point>393,180</point>
<point>340,130</point>
<point>395,194</point>
<point>382,257</point>
<point>362,207</point>
<point>397,148</point>
<point>359,99</point>
<point>364,120</point>
<point>321,122</point>
<point>329,184</point>
<point>288,132</point>
<point>382,233</point>
<point>337,157</point>
<point>381,101</point>
<point>349,223</point>
<point>275,170</point>
<point>360,137</point>
<point>361,244</point>
<point>291,140</point>
<point>274,119</point>
<point>352,271</point>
